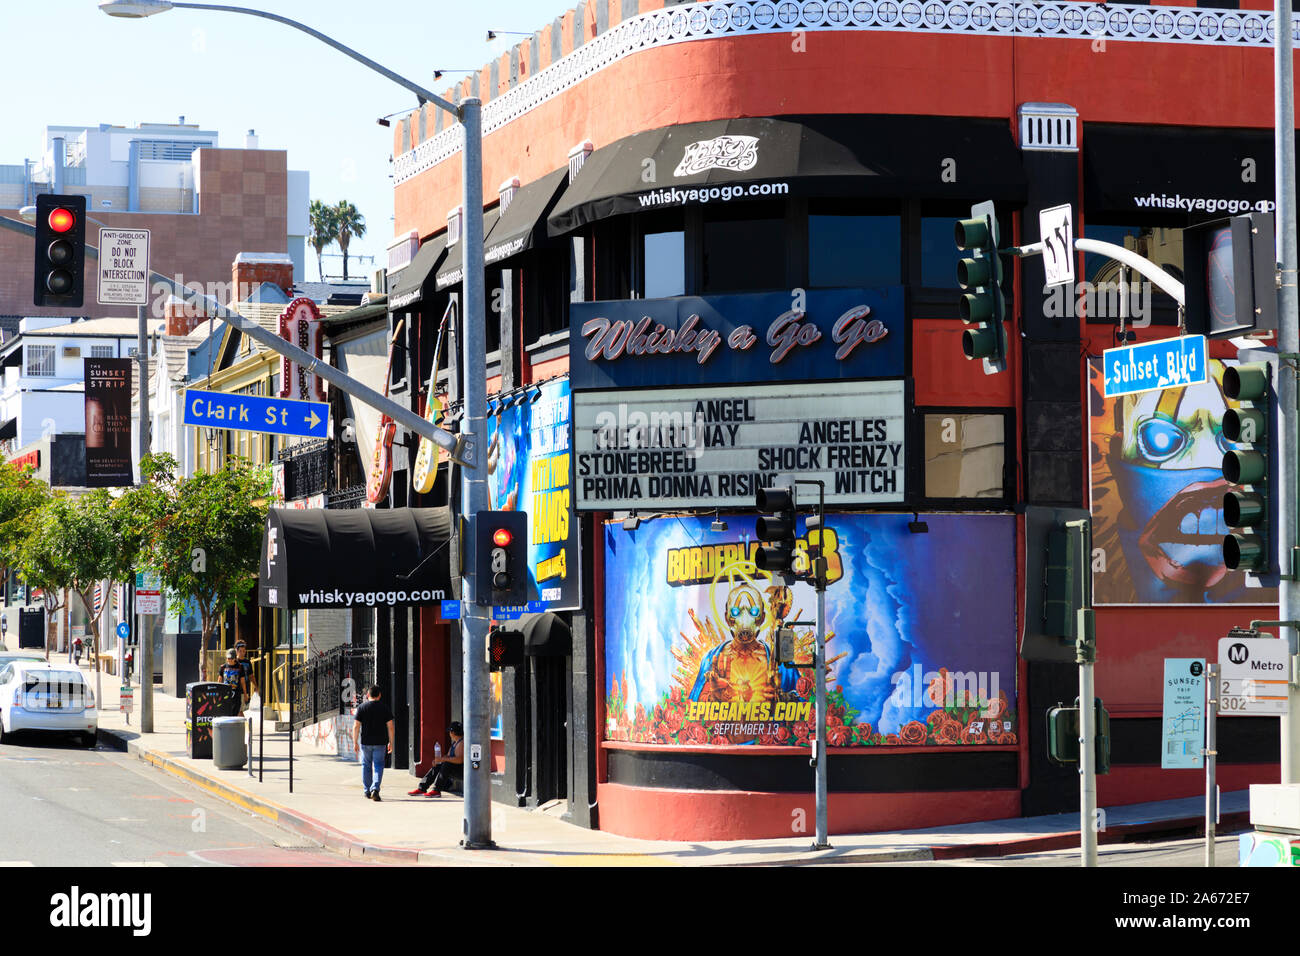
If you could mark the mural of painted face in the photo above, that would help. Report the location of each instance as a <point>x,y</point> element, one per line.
<point>745,614</point>
<point>1170,480</point>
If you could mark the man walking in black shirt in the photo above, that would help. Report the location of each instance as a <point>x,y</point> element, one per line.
<point>374,726</point>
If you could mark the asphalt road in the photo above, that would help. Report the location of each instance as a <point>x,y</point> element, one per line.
<point>64,805</point>
<point>1180,852</point>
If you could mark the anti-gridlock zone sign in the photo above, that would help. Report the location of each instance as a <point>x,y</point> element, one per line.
<point>714,447</point>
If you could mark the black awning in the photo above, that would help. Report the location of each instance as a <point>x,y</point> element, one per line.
<point>355,558</point>
<point>8,429</point>
<point>545,635</point>
<point>408,286</point>
<point>452,269</point>
<point>812,156</point>
<point>523,224</point>
<point>1175,174</point>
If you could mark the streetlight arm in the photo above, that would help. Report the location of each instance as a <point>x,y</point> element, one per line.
<point>421,92</point>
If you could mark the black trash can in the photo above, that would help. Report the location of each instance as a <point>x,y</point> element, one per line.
<point>205,700</point>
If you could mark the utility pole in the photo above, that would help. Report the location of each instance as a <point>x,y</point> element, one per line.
<point>1086,655</point>
<point>144,622</point>
<point>1288,343</point>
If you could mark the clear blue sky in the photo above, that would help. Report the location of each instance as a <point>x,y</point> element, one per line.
<point>231,73</point>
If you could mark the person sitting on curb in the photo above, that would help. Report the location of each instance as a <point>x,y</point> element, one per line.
<point>447,773</point>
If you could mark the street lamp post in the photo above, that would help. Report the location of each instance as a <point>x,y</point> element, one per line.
<point>474,498</point>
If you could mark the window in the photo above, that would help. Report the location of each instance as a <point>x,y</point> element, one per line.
<point>1163,245</point>
<point>939,252</point>
<point>101,351</point>
<point>40,359</point>
<point>744,251</point>
<point>132,351</point>
<point>665,263</point>
<point>545,309</point>
<point>853,250</point>
<point>965,455</point>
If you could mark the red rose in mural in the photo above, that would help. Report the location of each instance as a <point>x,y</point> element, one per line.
<point>802,729</point>
<point>877,740</point>
<point>892,739</point>
<point>804,687</point>
<point>767,740</point>
<point>863,732</point>
<point>996,708</point>
<point>659,712</point>
<point>673,721</point>
<point>947,732</point>
<point>693,735</point>
<point>720,740</point>
<point>677,696</point>
<point>833,719</point>
<point>838,736</point>
<point>783,735</point>
<point>913,733</point>
<point>975,732</point>
<point>662,734</point>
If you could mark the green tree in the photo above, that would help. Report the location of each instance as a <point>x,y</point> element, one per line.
<point>21,496</point>
<point>323,230</point>
<point>203,533</point>
<point>76,543</point>
<point>348,222</point>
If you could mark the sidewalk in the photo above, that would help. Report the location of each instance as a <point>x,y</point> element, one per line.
<point>327,805</point>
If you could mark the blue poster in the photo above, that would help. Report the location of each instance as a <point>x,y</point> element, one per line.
<point>921,646</point>
<point>530,468</point>
<point>798,336</point>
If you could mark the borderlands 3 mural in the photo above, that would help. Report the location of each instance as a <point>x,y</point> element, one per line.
<point>921,646</point>
<point>1157,497</point>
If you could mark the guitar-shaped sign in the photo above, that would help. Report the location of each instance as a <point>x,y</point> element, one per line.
<point>426,459</point>
<point>381,465</point>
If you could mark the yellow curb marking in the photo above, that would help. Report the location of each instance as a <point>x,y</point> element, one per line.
<point>222,793</point>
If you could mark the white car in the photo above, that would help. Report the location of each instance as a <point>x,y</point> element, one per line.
<point>35,695</point>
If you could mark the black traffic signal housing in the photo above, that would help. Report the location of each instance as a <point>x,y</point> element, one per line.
<point>980,277</point>
<point>60,251</point>
<point>501,558</point>
<point>1054,584</point>
<point>776,528</point>
<point>1063,735</point>
<point>1250,504</point>
<point>1230,275</point>
<point>505,648</point>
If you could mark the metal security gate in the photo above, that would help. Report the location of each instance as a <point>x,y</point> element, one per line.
<point>327,686</point>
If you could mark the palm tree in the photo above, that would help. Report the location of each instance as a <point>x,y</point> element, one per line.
<point>322,230</point>
<point>348,222</point>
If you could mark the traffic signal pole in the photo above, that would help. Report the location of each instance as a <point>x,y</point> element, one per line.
<point>1288,342</point>
<point>1086,654</point>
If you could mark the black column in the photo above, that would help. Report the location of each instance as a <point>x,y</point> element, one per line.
<point>582,728</point>
<point>413,688</point>
<point>1054,448</point>
<point>384,653</point>
<point>401,689</point>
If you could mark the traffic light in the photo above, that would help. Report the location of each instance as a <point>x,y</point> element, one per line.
<point>775,527</point>
<point>501,558</point>
<point>1054,584</point>
<point>60,251</point>
<point>505,649</point>
<point>1248,508</point>
<point>1063,735</point>
<point>980,277</point>
<point>1230,276</point>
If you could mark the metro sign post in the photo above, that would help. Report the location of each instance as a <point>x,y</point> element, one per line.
<point>257,413</point>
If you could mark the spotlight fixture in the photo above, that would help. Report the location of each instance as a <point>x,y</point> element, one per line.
<point>534,394</point>
<point>917,526</point>
<point>383,121</point>
<point>631,522</point>
<point>718,525</point>
<point>493,34</point>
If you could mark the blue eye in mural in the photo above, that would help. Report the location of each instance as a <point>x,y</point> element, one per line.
<point>1160,440</point>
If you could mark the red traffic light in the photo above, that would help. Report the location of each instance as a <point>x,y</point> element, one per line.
<point>502,537</point>
<point>61,219</point>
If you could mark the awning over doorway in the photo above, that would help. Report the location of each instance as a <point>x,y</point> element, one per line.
<point>546,635</point>
<point>408,288</point>
<point>8,429</point>
<point>1151,174</point>
<point>523,224</point>
<point>355,558</point>
<point>756,158</point>
<point>452,269</point>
